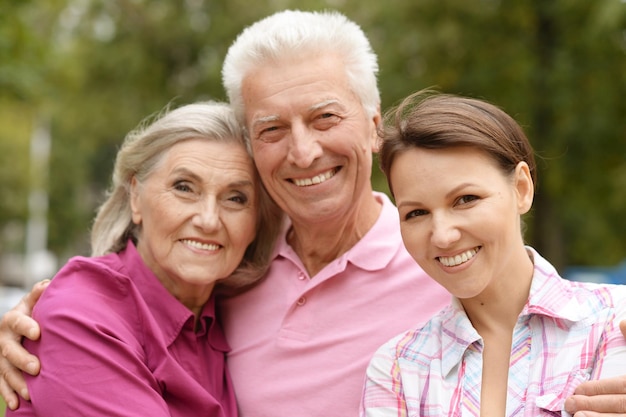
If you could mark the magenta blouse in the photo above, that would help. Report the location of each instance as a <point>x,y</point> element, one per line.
<point>115,342</point>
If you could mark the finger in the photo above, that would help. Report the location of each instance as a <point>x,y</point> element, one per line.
<point>36,292</point>
<point>18,320</point>
<point>14,324</point>
<point>8,395</point>
<point>622,327</point>
<point>17,324</point>
<point>615,385</point>
<point>14,355</point>
<point>12,383</point>
<point>603,405</point>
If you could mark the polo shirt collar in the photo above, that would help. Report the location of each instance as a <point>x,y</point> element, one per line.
<point>382,242</point>
<point>374,251</point>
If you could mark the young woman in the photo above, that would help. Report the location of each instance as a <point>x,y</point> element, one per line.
<point>517,339</point>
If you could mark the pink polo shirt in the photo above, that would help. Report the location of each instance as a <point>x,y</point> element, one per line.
<point>300,345</point>
<point>115,342</point>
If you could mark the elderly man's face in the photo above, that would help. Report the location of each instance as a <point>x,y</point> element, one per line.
<point>311,138</point>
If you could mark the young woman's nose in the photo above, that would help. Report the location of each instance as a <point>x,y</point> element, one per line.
<point>444,231</point>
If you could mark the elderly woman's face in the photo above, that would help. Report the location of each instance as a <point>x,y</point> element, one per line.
<point>198,212</point>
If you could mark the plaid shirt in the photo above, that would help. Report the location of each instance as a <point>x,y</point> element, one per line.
<point>567,333</point>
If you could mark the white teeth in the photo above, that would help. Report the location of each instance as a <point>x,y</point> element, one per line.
<point>315,180</point>
<point>199,245</point>
<point>458,259</point>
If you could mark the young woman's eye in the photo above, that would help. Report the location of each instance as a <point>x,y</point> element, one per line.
<point>415,213</point>
<point>467,199</point>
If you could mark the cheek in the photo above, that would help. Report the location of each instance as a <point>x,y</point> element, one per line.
<point>412,241</point>
<point>266,157</point>
<point>244,228</point>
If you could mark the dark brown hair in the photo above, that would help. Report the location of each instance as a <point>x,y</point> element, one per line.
<point>431,120</point>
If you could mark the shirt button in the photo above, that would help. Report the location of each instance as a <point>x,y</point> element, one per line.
<point>301,301</point>
<point>301,276</point>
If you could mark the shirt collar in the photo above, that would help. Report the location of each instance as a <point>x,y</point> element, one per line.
<point>552,296</point>
<point>374,251</point>
<point>173,317</point>
<point>457,335</point>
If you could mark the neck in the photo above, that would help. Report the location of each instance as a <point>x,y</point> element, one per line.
<point>498,307</point>
<point>319,244</point>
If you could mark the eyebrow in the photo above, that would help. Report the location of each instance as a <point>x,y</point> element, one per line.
<point>185,171</point>
<point>234,184</point>
<point>408,203</point>
<point>458,188</point>
<point>323,104</point>
<point>450,193</point>
<point>275,117</point>
<point>241,184</point>
<point>265,119</point>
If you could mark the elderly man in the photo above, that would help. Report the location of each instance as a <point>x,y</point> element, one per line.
<point>304,86</point>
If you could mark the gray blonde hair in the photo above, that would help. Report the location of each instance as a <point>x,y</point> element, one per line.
<point>143,149</point>
<point>293,34</point>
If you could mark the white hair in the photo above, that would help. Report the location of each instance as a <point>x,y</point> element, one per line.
<point>293,34</point>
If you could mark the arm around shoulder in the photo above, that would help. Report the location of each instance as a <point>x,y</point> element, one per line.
<point>606,395</point>
<point>16,324</point>
<point>91,347</point>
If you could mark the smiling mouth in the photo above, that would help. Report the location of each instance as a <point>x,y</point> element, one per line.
<point>200,245</point>
<point>318,179</point>
<point>458,259</point>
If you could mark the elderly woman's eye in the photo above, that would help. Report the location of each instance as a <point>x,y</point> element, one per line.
<point>182,186</point>
<point>239,198</point>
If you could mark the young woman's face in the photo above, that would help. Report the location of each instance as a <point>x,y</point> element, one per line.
<point>198,212</point>
<point>460,215</point>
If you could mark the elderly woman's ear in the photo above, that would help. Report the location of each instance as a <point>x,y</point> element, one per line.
<point>134,201</point>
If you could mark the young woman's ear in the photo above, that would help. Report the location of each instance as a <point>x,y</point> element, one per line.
<point>524,187</point>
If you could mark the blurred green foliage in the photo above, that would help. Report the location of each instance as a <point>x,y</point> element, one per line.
<point>92,69</point>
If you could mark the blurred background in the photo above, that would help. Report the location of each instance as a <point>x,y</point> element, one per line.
<point>77,75</point>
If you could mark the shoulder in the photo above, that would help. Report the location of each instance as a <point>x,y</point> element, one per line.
<point>598,294</point>
<point>88,285</point>
<point>105,273</point>
<point>420,344</point>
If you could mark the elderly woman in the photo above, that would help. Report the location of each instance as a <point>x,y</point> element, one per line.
<point>517,339</point>
<point>132,331</point>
